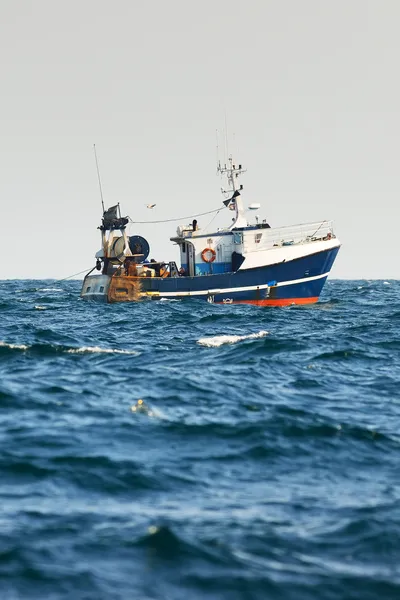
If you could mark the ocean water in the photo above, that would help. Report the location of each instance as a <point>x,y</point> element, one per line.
<point>263,462</point>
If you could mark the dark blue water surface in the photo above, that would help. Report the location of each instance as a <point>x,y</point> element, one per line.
<point>260,466</point>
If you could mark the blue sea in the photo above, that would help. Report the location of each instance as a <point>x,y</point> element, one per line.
<point>262,463</point>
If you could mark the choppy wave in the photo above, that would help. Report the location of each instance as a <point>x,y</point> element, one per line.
<point>257,466</point>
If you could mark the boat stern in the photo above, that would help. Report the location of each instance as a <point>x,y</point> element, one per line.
<point>95,287</point>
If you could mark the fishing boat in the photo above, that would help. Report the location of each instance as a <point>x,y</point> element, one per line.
<point>247,262</point>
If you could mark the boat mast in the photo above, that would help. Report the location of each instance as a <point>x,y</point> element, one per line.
<point>232,173</point>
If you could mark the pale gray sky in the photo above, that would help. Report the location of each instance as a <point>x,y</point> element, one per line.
<point>310,89</point>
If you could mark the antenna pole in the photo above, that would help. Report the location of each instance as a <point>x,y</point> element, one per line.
<point>226,139</point>
<point>98,175</point>
<point>218,159</point>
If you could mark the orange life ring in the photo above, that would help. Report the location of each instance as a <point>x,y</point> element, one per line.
<point>208,251</point>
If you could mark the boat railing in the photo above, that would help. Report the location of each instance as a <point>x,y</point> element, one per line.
<point>289,235</point>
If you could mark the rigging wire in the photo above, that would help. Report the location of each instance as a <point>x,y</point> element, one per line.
<point>316,231</point>
<point>209,212</point>
<point>207,226</point>
<point>74,275</point>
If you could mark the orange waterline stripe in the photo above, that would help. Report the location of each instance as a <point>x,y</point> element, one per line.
<point>275,301</point>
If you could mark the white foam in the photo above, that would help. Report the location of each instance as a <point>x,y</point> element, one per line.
<point>219,340</point>
<point>14,346</point>
<point>97,350</point>
<point>40,307</point>
<point>386,283</point>
<point>50,290</point>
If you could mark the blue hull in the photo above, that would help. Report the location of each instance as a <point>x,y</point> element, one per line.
<point>300,280</point>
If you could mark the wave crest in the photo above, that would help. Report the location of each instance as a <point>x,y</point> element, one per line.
<point>220,340</point>
<point>13,346</point>
<point>54,348</point>
<point>98,350</point>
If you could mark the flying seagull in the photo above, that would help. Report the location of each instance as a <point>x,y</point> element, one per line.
<point>150,205</point>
